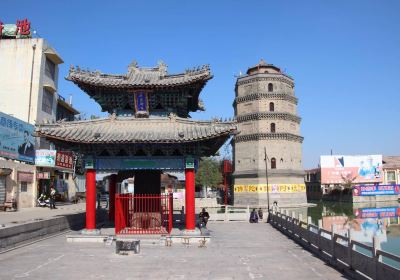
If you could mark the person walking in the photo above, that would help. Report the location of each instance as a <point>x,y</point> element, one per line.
<point>52,197</point>
<point>203,217</point>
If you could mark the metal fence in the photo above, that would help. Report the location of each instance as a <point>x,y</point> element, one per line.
<point>360,260</point>
<point>143,214</point>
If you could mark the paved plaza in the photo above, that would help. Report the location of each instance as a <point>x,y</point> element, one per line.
<point>237,251</point>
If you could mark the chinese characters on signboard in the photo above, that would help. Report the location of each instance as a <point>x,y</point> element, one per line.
<point>16,139</point>
<point>46,158</point>
<point>65,159</point>
<point>22,29</point>
<point>141,102</point>
<point>366,190</point>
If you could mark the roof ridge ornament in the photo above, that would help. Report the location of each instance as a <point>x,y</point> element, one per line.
<point>113,116</point>
<point>162,68</point>
<point>172,117</point>
<point>132,67</point>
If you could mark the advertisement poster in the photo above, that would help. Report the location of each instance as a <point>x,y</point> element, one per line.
<point>358,169</point>
<point>366,190</point>
<point>16,139</point>
<point>45,158</point>
<point>272,188</point>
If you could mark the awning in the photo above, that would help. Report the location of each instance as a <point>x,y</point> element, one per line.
<point>5,171</point>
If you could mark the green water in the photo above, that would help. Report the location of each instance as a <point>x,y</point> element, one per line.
<point>363,220</point>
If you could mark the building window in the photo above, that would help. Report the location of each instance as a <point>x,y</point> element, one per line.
<point>24,186</point>
<point>273,163</point>
<point>47,101</point>
<point>272,128</point>
<point>270,87</point>
<point>391,177</point>
<point>271,107</point>
<point>50,69</point>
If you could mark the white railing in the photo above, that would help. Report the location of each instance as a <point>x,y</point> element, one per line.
<point>340,251</point>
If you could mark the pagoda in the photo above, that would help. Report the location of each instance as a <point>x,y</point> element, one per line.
<point>148,131</point>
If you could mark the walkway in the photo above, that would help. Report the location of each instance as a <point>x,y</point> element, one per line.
<point>237,251</point>
<point>11,218</point>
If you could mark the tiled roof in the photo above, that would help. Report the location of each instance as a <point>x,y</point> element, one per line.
<point>391,162</point>
<point>140,77</point>
<point>136,130</point>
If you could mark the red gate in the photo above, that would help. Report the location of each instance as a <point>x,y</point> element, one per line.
<point>143,214</point>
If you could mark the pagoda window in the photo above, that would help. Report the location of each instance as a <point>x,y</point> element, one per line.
<point>273,163</point>
<point>271,106</point>
<point>270,87</point>
<point>272,127</point>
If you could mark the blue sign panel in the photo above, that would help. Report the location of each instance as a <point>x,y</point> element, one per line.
<point>16,139</point>
<point>368,190</point>
<point>141,101</point>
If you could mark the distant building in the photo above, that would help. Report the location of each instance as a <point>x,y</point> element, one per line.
<point>317,188</point>
<point>266,112</point>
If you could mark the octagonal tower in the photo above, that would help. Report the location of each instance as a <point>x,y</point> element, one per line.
<point>269,126</point>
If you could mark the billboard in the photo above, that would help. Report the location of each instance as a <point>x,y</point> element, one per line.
<point>358,169</point>
<point>16,139</point>
<point>366,190</point>
<point>46,158</point>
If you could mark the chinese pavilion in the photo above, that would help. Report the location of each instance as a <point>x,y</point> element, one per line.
<point>148,131</point>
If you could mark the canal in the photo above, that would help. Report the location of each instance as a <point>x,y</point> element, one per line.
<point>363,220</point>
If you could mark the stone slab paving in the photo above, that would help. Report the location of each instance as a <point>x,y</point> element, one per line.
<point>23,215</point>
<point>237,251</point>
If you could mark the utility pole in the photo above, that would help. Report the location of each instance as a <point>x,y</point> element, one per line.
<point>266,175</point>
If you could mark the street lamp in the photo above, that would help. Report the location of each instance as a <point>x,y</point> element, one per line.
<point>266,175</point>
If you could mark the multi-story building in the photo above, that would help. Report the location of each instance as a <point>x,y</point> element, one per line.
<point>29,95</point>
<point>268,148</point>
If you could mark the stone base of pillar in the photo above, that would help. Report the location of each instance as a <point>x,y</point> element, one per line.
<point>191,232</point>
<point>90,232</point>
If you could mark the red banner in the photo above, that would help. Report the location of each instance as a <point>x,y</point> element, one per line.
<point>65,160</point>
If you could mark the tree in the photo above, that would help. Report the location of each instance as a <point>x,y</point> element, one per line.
<point>209,173</point>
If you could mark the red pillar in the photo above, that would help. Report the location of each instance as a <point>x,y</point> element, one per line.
<point>111,194</point>
<point>90,199</point>
<point>189,199</point>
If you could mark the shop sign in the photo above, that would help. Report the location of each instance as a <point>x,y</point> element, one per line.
<point>25,177</point>
<point>46,158</point>
<point>272,188</point>
<point>22,29</point>
<point>16,139</point>
<point>65,159</point>
<point>368,190</point>
<point>43,175</point>
<point>375,213</point>
<point>189,162</point>
<point>89,163</point>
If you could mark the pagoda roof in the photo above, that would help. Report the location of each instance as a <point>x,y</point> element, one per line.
<point>129,130</point>
<point>140,78</point>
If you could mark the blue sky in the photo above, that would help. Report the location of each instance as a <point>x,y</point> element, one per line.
<point>344,56</point>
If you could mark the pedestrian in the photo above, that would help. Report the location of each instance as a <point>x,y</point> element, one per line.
<point>98,196</point>
<point>253,216</point>
<point>52,197</point>
<point>260,213</point>
<point>275,208</point>
<point>203,217</point>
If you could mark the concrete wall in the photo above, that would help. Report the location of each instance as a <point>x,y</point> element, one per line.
<point>16,56</point>
<point>13,186</point>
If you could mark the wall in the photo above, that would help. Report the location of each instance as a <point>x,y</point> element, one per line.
<point>13,187</point>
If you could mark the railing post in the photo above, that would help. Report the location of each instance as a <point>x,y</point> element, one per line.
<point>309,221</point>
<point>226,218</point>
<point>320,223</point>
<point>333,242</point>
<point>376,243</point>
<point>170,212</point>
<point>349,249</point>
<point>293,223</point>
